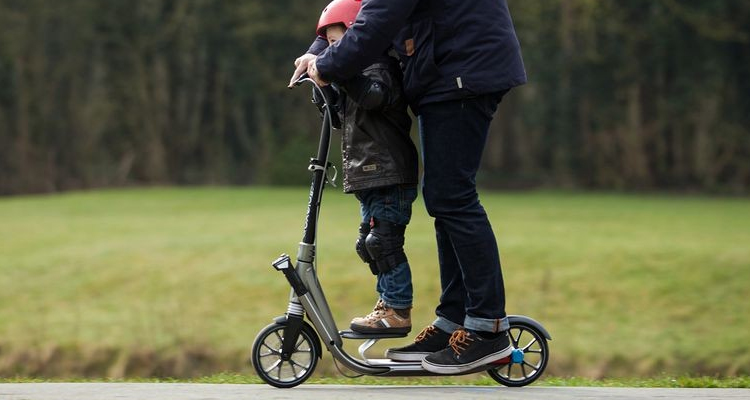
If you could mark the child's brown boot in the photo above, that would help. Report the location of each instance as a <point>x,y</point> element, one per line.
<point>383,319</point>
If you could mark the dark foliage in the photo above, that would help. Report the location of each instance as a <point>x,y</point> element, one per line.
<point>623,94</point>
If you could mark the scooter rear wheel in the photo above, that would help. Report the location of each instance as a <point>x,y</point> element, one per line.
<point>529,359</point>
<point>277,370</point>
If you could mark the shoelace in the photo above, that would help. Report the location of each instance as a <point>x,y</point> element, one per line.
<point>459,341</point>
<point>426,332</point>
<point>377,312</point>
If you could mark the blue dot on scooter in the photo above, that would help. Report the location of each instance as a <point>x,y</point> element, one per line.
<point>516,356</point>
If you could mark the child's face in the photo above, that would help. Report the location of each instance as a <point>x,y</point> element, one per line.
<point>334,33</point>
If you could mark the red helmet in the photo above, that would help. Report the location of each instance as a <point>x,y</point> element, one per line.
<point>338,12</point>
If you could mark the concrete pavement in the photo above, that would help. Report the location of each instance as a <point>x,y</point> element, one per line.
<point>189,391</point>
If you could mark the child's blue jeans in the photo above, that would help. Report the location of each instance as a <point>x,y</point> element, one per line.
<point>392,204</point>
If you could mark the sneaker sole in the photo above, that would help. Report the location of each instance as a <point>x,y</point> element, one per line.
<point>399,356</point>
<point>459,368</point>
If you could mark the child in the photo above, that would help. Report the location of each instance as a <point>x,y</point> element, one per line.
<point>380,168</point>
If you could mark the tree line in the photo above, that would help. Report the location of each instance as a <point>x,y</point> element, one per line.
<point>622,94</point>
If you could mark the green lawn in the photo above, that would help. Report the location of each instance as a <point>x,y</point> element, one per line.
<point>177,282</point>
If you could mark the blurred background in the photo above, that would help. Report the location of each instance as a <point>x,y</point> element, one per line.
<point>174,162</point>
<point>621,95</point>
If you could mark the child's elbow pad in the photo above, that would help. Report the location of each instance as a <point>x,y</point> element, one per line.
<point>376,96</point>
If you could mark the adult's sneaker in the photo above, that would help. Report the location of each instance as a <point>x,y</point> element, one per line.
<point>467,351</point>
<point>430,340</point>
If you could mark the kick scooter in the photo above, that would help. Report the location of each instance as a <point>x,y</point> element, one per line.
<point>286,352</point>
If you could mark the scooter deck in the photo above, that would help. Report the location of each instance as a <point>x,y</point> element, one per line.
<point>414,368</point>
<point>396,368</point>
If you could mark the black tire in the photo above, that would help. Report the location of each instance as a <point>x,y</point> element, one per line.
<point>533,346</point>
<point>275,371</point>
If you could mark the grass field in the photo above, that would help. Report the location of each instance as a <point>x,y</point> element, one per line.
<point>177,282</point>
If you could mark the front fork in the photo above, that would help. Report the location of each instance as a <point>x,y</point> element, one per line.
<point>294,320</point>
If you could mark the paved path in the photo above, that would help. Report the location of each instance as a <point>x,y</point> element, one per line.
<point>185,391</point>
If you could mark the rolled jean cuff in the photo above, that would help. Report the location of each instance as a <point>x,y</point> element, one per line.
<point>399,305</point>
<point>486,325</point>
<point>446,325</point>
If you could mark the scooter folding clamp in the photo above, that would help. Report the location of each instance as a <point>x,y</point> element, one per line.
<point>316,165</point>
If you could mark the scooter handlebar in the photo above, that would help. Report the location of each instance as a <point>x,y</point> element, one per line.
<point>302,78</point>
<point>327,95</point>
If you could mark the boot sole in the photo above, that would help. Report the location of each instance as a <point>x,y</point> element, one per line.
<point>368,330</point>
<point>459,368</point>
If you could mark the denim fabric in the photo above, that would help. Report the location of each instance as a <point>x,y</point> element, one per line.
<point>392,204</point>
<point>453,135</point>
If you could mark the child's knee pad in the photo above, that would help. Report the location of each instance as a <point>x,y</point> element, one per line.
<point>385,245</point>
<point>361,247</point>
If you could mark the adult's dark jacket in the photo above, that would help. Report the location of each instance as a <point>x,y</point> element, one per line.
<point>376,148</point>
<point>449,49</point>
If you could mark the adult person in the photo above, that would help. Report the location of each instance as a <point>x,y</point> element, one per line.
<point>459,59</point>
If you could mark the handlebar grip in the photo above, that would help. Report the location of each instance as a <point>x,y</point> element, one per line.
<point>301,79</point>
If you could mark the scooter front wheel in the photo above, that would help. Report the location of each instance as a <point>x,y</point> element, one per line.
<point>285,372</point>
<point>528,360</point>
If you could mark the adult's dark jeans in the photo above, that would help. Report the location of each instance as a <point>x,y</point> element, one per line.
<point>453,136</point>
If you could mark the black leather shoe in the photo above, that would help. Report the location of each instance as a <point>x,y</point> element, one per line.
<point>467,351</point>
<point>430,340</point>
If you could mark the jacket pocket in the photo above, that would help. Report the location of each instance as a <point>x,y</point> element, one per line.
<point>415,45</point>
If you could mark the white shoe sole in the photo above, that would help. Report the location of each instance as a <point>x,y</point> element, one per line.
<point>399,356</point>
<point>459,368</point>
